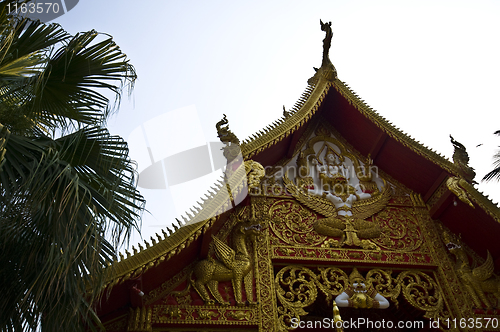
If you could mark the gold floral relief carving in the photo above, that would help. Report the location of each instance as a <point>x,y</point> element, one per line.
<point>297,288</point>
<point>265,287</point>
<point>164,314</point>
<point>166,292</point>
<point>401,230</point>
<point>293,224</point>
<point>422,292</point>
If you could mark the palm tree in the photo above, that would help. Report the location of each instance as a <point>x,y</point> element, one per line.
<point>495,173</point>
<point>68,195</point>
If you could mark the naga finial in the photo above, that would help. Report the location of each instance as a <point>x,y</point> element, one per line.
<point>226,136</point>
<point>461,160</point>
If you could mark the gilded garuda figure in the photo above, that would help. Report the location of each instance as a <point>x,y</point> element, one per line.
<point>477,281</point>
<point>233,263</point>
<point>344,207</point>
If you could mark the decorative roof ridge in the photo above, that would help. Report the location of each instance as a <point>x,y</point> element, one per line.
<point>140,261</point>
<point>305,107</point>
<point>214,204</point>
<point>173,242</point>
<point>482,200</point>
<point>392,130</point>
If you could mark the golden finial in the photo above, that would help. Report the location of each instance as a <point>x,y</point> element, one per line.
<point>327,69</point>
<point>327,42</point>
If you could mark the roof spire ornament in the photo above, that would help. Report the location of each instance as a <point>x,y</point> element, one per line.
<point>231,142</point>
<point>466,174</point>
<point>327,42</point>
<point>327,69</point>
<point>461,160</point>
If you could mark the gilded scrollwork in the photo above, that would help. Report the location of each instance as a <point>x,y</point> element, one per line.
<point>293,224</point>
<point>384,284</point>
<point>422,292</point>
<point>331,281</point>
<point>401,231</point>
<point>297,288</point>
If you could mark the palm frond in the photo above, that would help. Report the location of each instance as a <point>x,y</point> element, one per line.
<point>60,198</point>
<point>495,173</point>
<point>81,186</point>
<point>73,77</point>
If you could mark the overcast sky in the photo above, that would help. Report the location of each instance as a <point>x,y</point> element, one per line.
<point>430,67</point>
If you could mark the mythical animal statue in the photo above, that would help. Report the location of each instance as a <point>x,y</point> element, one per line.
<point>232,264</point>
<point>461,159</point>
<point>477,281</point>
<point>358,296</point>
<point>455,185</point>
<point>231,141</point>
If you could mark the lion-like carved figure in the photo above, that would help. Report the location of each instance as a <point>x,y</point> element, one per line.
<point>233,263</point>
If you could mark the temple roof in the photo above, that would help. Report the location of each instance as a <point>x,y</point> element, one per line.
<point>419,168</point>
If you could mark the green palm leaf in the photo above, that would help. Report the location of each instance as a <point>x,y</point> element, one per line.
<point>495,173</point>
<point>61,198</point>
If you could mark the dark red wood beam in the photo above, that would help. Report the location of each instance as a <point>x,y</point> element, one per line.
<point>377,145</point>
<point>435,186</point>
<point>293,142</point>
<point>441,205</point>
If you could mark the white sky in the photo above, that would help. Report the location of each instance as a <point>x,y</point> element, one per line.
<point>430,67</point>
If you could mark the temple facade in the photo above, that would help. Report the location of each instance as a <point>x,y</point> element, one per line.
<point>329,219</point>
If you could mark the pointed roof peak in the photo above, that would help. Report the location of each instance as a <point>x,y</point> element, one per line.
<point>327,69</point>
